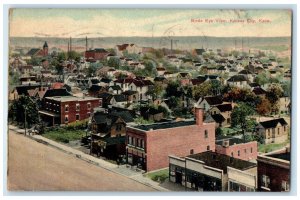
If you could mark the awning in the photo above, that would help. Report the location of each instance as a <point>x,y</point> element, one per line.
<point>48,113</point>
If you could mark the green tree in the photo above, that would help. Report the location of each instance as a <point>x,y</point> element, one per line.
<point>62,56</point>
<point>173,89</point>
<point>73,55</point>
<point>174,102</point>
<point>240,115</point>
<point>114,62</point>
<point>17,111</point>
<point>274,92</point>
<point>155,91</point>
<point>262,78</point>
<point>34,61</point>
<point>202,90</point>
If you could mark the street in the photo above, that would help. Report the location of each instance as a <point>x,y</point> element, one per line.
<point>33,166</point>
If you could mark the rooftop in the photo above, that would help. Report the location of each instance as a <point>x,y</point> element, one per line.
<point>283,156</point>
<point>71,98</point>
<point>165,125</point>
<point>221,161</point>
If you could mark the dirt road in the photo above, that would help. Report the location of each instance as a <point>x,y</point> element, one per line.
<point>36,167</point>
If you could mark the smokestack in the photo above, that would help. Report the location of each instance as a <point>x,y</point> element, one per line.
<point>199,116</point>
<point>86,43</point>
<point>70,43</point>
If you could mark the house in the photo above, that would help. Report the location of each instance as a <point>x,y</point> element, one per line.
<point>259,91</point>
<point>107,135</point>
<point>118,100</point>
<point>198,52</point>
<point>284,103</point>
<point>161,80</point>
<point>273,131</point>
<point>221,114</point>
<point>237,148</point>
<point>247,74</point>
<point>273,170</point>
<point>25,69</point>
<point>63,110</point>
<point>105,98</point>
<point>115,89</point>
<point>151,113</point>
<point>211,171</point>
<point>28,80</point>
<point>207,102</point>
<point>96,54</point>
<point>149,146</point>
<point>21,90</point>
<point>124,83</point>
<point>141,86</point>
<point>131,96</point>
<point>160,71</point>
<point>237,81</point>
<point>212,70</point>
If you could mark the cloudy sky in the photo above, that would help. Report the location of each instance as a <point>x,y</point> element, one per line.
<point>148,22</point>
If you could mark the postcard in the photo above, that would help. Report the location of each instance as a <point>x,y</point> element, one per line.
<point>148,100</point>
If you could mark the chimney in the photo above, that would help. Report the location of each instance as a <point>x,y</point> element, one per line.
<point>225,143</point>
<point>199,116</point>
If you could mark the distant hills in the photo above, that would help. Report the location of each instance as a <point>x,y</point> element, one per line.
<point>183,42</point>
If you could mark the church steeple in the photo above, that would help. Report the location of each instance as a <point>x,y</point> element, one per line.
<point>45,49</point>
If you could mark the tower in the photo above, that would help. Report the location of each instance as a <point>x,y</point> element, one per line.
<point>45,49</point>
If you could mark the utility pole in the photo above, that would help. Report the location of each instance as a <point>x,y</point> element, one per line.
<point>25,120</point>
<point>70,43</point>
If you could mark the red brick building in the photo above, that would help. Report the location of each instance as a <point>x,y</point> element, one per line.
<point>237,148</point>
<point>273,171</point>
<point>149,146</point>
<point>67,109</point>
<point>96,54</point>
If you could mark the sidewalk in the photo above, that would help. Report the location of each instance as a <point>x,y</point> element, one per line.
<point>121,170</point>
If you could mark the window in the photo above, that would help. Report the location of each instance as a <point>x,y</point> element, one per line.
<point>265,181</point>
<point>88,105</point>
<point>66,108</point>
<point>285,186</point>
<point>239,153</point>
<point>278,131</point>
<point>66,119</point>
<point>284,128</point>
<point>192,151</point>
<point>77,107</point>
<point>119,127</point>
<point>142,143</point>
<point>141,96</point>
<point>138,142</point>
<point>133,141</point>
<point>245,150</point>
<point>129,139</point>
<point>208,148</point>
<point>251,150</point>
<point>205,134</point>
<point>231,154</point>
<point>88,114</point>
<point>77,116</point>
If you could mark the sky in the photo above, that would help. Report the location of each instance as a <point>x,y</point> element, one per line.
<point>148,23</point>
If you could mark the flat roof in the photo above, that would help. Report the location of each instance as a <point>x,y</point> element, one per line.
<point>232,141</point>
<point>284,156</point>
<point>221,161</point>
<point>165,125</point>
<point>71,98</point>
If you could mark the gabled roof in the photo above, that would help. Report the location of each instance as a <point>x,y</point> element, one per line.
<point>225,107</point>
<point>129,92</point>
<point>57,92</point>
<point>218,118</point>
<point>273,123</point>
<point>237,78</point>
<point>119,98</point>
<point>95,88</point>
<point>246,72</point>
<point>159,78</point>
<point>23,89</point>
<point>258,91</point>
<point>95,81</point>
<point>115,87</point>
<point>214,100</point>
<point>254,85</point>
<point>33,51</point>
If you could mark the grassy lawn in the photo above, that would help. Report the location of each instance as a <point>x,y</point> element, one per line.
<point>63,135</point>
<point>265,148</point>
<point>159,176</point>
<point>229,131</point>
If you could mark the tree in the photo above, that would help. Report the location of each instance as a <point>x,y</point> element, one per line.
<point>262,78</point>
<point>62,56</point>
<point>155,91</point>
<point>202,90</point>
<point>17,111</point>
<point>174,102</point>
<point>274,92</point>
<point>239,117</point>
<point>73,55</point>
<point>173,89</point>
<point>91,71</point>
<point>264,107</point>
<point>34,61</point>
<point>114,62</point>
